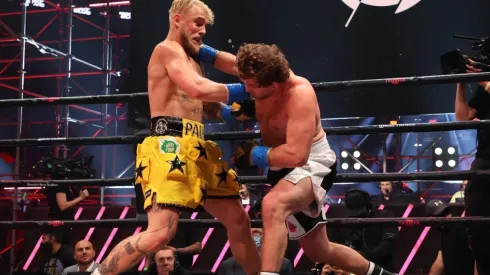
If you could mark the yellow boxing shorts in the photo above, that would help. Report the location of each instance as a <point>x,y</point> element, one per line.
<point>177,167</point>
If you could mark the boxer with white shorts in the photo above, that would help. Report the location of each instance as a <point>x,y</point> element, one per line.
<point>302,164</point>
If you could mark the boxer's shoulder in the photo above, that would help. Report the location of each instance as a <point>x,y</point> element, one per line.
<point>170,49</point>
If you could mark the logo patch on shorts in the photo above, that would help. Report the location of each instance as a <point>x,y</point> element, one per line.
<point>291,227</point>
<point>147,194</point>
<point>169,145</point>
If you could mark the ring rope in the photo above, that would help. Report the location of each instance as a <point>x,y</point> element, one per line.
<point>241,135</point>
<point>320,86</point>
<point>347,177</point>
<point>205,223</point>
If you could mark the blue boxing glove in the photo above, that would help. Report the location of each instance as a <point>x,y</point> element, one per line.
<point>207,54</point>
<point>237,92</point>
<point>249,154</point>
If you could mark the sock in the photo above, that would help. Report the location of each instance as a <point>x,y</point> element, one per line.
<point>96,272</point>
<point>370,269</point>
<point>269,273</point>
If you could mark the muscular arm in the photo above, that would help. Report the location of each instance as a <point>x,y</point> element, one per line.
<point>461,108</point>
<point>194,248</point>
<point>184,76</point>
<point>63,204</point>
<point>301,128</point>
<point>226,62</point>
<point>438,265</point>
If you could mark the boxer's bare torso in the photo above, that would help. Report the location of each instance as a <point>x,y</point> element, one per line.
<point>165,97</point>
<point>272,113</point>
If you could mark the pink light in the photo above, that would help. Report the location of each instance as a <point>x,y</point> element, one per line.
<point>116,3</point>
<point>381,207</point>
<point>225,248</point>
<point>91,230</point>
<point>204,241</point>
<point>300,253</point>
<point>38,244</point>
<point>406,214</point>
<point>142,264</point>
<point>111,236</point>
<point>416,248</point>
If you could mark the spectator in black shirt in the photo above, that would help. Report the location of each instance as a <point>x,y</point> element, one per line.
<point>55,256</point>
<point>166,263</point>
<point>376,243</point>
<point>477,192</point>
<point>390,194</point>
<point>62,200</point>
<point>454,256</point>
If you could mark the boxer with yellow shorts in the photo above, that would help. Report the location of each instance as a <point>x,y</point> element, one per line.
<point>179,167</point>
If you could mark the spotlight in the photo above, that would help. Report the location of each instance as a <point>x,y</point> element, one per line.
<point>445,158</point>
<point>347,162</point>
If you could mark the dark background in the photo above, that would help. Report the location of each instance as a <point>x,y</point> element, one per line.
<point>377,44</point>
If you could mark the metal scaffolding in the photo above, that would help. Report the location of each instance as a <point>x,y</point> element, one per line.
<point>63,119</point>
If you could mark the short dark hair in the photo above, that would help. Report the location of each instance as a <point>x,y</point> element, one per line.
<point>265,63</point>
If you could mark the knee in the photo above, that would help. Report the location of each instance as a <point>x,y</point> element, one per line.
<point>273,210</point>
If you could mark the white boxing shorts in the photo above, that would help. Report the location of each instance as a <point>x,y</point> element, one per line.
<point>321,167</point>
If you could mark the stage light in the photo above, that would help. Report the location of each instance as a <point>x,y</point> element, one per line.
<point>125,15</point>
<point>348,160</point>
<point>84,11</point>
<point>445,158</point>
<point>35,3</point>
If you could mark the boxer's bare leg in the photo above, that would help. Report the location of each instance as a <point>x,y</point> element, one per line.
<point>318,248</point>
<point>283,200</point>
<point>237,222</point>
<point>162,224</point>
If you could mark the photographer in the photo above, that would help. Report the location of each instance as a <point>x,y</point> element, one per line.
<point>477,191</point>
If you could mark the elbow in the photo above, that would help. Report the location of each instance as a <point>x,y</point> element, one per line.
<point>299,160</point>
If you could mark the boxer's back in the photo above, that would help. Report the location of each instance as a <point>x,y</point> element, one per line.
<point>166,99</point>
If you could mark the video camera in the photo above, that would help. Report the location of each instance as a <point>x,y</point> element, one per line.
<point>454,62</point>
<point>60,168</point>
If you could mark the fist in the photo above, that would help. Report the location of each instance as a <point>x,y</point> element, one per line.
<point>243,154</point>
<point>84,194</point>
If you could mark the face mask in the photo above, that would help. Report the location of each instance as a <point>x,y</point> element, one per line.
<point>258,241</point>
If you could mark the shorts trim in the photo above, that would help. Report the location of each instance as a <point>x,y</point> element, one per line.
<point>224,197</point>
<point>170,205</point>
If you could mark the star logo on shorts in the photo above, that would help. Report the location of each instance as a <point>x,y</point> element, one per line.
<point>222,175</point>
<point>139,170</point>
<point>202,151</point>
<point>204,194</point>
<point>176,164</point>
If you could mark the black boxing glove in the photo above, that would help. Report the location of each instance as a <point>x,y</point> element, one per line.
<point>241,111</point>
<point>250,155</point>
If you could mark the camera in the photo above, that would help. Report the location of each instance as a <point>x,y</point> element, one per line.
<point>79,167</point>
<point>454,62</point>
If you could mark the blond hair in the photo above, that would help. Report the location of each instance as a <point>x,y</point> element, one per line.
<point>182,6</point>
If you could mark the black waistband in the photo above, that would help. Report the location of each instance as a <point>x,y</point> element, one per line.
<point>175,126</point>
